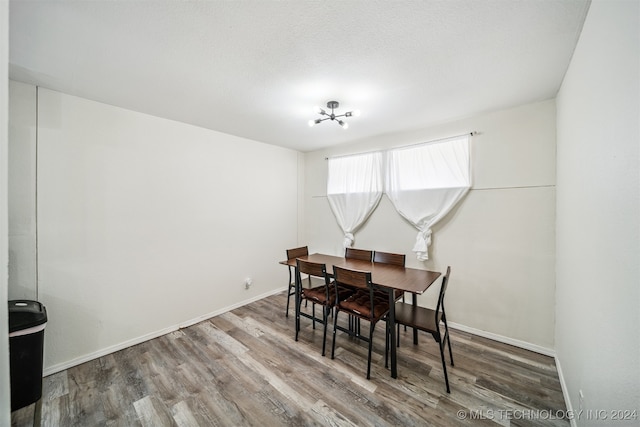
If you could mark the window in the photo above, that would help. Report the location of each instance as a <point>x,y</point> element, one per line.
<point>354,189</point>
<point>425,181</point>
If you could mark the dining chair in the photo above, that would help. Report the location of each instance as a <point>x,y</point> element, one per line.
<point>359,254</point>
<point>324,295</point>
<point>430,321</point>
<point>293,254</point>
<point>390,259</point>
<point>362,304</point>
<point>362,254</point>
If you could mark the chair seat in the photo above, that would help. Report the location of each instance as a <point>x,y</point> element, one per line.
<point>318,294</point>
<point>417,317</point>
<point>360,304</point>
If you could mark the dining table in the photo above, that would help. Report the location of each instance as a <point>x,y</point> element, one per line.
<point>383,276</point>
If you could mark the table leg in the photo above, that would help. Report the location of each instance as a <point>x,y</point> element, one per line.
<point>415,331</point>
<point>392,332</point>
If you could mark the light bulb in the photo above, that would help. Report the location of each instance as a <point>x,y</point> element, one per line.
<point>343,124</point>
<point>355,113</point>
<point>311,123</point>
<point>317,109</point>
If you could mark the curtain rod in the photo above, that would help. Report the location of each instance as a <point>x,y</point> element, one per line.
<point>472,133</point>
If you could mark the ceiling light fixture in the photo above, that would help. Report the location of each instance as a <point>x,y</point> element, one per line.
<point>332,105</point>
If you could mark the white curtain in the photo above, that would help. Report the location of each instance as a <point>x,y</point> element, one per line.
<point>424,182</point>
<point>354,188</point>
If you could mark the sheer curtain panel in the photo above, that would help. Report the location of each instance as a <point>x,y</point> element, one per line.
<point>425,181</point>
<point>354,189</point>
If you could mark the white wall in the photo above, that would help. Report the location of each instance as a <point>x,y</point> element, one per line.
<point>5,395</point>
<point>598,214</point>
<point>145,224</point>
<point>500,239</point>
<point>22,191</point>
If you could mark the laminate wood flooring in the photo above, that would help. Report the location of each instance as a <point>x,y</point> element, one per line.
<point>243,368</point>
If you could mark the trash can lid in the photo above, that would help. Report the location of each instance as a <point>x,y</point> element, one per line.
<point>24,314</point>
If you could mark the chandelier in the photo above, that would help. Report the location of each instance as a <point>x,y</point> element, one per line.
<point>332,105</point>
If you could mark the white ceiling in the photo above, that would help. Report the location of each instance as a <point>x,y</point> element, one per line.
<point>255,68</point>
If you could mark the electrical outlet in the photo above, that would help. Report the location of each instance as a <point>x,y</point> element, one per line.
<point>581,401</point>
<point>248,282</point>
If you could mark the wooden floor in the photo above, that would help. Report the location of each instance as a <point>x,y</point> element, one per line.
<point>244,368</point>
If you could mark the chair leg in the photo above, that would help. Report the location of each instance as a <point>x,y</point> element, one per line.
<point>333,344</point>
<point>298,319</point>
<point>448,338</point>
<point>387,340</point>
<point>286,314</point>
<point>405,326</point>
<point>313,314</point>
<point>371,329</point>
<point>325,317</point>
<point>444,365</point>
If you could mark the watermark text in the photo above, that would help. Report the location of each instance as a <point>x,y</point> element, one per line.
<point>543,414</point>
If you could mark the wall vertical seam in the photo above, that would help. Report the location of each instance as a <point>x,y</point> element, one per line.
<point>36,197</point>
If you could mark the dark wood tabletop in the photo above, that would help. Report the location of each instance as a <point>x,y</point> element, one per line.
<point>389,276</point>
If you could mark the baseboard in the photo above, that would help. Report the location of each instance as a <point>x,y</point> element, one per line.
<point>230,307</point>
<point>107,350</point>
<point>505,340</point>
<point>565,393</point>
<point>138,340</point>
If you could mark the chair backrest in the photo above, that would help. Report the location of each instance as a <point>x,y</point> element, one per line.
<point>353,278</point>
<point>362,254</point>
<point>297,252</point>
<point>312,269</point>
<point>443,289</point>
<point>389,258</point>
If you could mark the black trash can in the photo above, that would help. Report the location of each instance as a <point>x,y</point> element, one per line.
<point>27,320</point>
